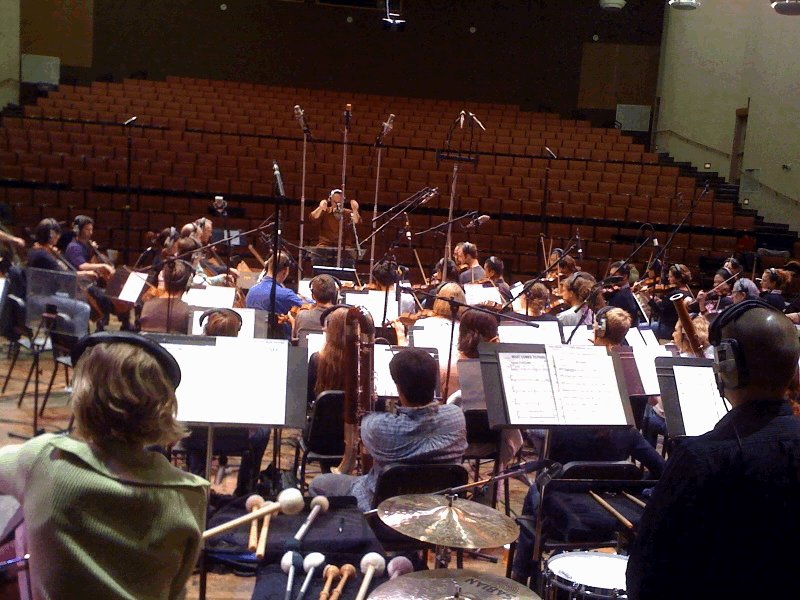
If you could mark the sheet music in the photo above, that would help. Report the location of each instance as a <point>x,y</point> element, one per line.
<point>381,357</point>
<point>373,301</point>
<point>213,296</point>
<point>218,399</point>
<point>698,396</point>
<point>248,322</point>
<point>314,342</point>
<point>476,293</point>
<point>435,333</point>
<point>517,304</point>
<point>547,332</point>
<point>586,385</point>
<point>528,390</point>
<point>133,287</point>
<point>645,357</point>
<point>304,288</point>
<point>584,337</point>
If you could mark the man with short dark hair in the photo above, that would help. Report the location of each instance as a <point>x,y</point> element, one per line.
<point>260,295</point>
<point>466,256</point>
<point>324,293</point>
<point>730,496</point>
<point>422,430</point>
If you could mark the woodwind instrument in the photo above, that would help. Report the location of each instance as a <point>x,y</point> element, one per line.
<point>359,389</point>
<point>686,322</point>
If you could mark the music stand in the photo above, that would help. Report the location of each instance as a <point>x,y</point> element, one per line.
<point>340,273</point>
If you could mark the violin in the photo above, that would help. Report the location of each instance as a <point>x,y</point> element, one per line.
<point>408,319</point>
<point>557,306</point>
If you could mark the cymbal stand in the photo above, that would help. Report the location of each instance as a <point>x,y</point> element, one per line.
<point>345,131</point>
<point>387,127</point>
<point>457,157</point>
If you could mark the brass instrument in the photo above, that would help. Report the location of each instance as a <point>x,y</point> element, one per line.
<point>686,322</point>
<point>359,388</point>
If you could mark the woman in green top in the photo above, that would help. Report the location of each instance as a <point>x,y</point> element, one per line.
<point>104,517</point>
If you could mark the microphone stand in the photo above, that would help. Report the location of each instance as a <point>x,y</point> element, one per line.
<point>276,240</point>
<point>379,145</point>
<point>666,245</point>
<point>306,133</point>
<point>344,175</point>
<point>470,215</point>
<point>403,207</point>
<point>128,125</point>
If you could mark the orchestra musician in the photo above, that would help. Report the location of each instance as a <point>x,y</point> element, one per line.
<point>7,238</point>
<point>324,293</point>
<point>718,298</point>
<point>534,303</point>
<point>622,295</point>
<point>330,213</point>
<point>465,256</point>
<point>678,278</point>
<point>576,291</point>
<point>422,430</point>
<point>259,296</point>
<point>773,284</point>
<point>325,368</point>
<point>744,289</point>
<point>746,465</point>
<point>190,246</point>
<point>386,274</point>
<point>493,267</point>
<point>105,517</point>
<point>168,313</point>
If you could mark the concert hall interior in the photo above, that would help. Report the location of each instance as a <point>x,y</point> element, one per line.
<point>529,270</point>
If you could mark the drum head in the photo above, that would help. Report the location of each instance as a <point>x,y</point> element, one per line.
<point>597,572</point>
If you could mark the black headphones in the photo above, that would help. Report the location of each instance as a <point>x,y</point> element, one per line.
<point>168,363</point>
<point>222,311</point>
<point>730,367</point>
<point>324,316</point>
<point>80,222</point>
<point>601,321</point>
<point>573,278</point>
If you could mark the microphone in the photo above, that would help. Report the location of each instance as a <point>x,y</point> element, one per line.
<point>578,241</point>
<point>474,118</point>
<point>387,127</point>
<point>550,152</point>
<point>129,121</point>
<point>278,179</point>
<point>477,222</point>
<point>347,116</point>
<point>299,114</point>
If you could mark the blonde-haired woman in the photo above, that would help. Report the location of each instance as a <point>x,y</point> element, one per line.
<point>105,517</point>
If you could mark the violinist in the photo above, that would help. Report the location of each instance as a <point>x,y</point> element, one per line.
<point>260,295</point>
<point>465,255</point>
<point>162,245</point>
<point>773,284</point>
<point>678,278</point>
<point>7,238</point>
<point>718,298</point>
<point>576,291</point>
<point>494,267</point>
<point>744,289</point>
<point>44,254</point>
<point>324,293</point>
<point>444,272</point>
<point>190,246</point>
<point>386,274</point>
<point>621,295</point>
<point>169,313</point>
<point>567,266</point>
<point>534,303</point>
<point>734,266</point>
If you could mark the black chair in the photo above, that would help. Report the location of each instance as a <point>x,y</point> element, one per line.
<point>400,480</point>
<point>62,351</point>
<point>483,445</point>
<point>19,335</point>
<point>569,518</point>
<point>322,440</point>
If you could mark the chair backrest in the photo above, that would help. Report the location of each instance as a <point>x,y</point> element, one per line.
<point>324,432</point>
<point>478,430</point>
<point>399,480</point>
<point>15,314</point>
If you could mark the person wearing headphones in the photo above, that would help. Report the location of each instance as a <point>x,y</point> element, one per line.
<point>494,267</point>
<point>622,295</point>
<point>773,284</point>
<point>260,295</point>
<point>730,495</point>
<point>575,290</point>
<point>82,249</point>
<point>611,325</point>
<point>330,214</point>
<point>465,255</point>
<point>324,293</point>
<point>678,278</point>
<point>105,517</point>
<point>169,313</point>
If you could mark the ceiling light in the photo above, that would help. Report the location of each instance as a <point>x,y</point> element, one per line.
<point>787,7</point>
<point>612,5</point>
<point>684,4</point>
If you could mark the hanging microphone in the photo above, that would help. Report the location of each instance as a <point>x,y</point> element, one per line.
<point>278,179</point>
<point>474,118</point>
<point>347,115</point>
<point>550,152</point>
<point>477,222</point>
<point>129,121</point>
<point>387,127</point>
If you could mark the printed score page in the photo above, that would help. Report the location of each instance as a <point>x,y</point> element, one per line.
<point>213,296</point>
<point>586,385</point>
<point>645,358</point>
<point>373,301</point>
<point>477,293</point>
<point>219,400</point>
<point>698,396</point>
<point>642,336</point>
<point>528,389</point>
<point>547,332</point>
<point>133,287</point>
<point>583,337</point>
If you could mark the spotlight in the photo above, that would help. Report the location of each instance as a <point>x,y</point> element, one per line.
<point>684,4</point>
<point>612,5</point>
<point>392,20</point>
<point>786,7</point>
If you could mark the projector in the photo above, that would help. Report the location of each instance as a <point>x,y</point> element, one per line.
<point>684,4</point>
<point>787,7</point>
<point>612,5</point>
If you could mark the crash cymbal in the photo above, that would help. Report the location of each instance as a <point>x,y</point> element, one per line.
<point>448,521</point>
<point>443,584</point>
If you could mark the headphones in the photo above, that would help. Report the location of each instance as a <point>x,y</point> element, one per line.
<point>573,278</point>
<point>730,367</point>
<point>222,311</point>
<point>325,313</point>
<point>334,191</point>
<point>171,237</point>
<point>601,321</point>
<point>167,362</point>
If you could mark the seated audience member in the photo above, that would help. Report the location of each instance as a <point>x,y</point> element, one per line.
<point>324,293</point>
<point>251,442</point>
<point>169,314</point>
<point>494,268</point>
<point>422,431</point>
<point>746,465</point>
<point>105,517</point>
<point>773,283</point>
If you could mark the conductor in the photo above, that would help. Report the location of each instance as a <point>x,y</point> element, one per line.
<point>334,218</point>
<point>729,496</point>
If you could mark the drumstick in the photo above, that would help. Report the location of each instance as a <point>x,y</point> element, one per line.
<point>262,539</point>
<point>634,499</point>
<point>612,510</point>
<point>254,502</point>
<point>290,502</point>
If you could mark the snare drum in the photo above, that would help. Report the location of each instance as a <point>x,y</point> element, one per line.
<point>585,575</point>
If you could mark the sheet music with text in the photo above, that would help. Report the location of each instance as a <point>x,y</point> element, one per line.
<point>698,395</point>
<point>528,389</point>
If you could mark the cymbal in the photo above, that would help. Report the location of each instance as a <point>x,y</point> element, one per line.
<point>442,584</point>
<point>448,521</point>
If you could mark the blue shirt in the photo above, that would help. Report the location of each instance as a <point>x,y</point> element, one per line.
<point>259,297</point>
